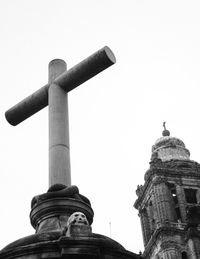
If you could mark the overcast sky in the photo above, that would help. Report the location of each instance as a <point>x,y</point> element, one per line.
<point>115,118</point>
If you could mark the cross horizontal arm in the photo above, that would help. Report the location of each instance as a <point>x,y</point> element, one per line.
<point>70,79</point>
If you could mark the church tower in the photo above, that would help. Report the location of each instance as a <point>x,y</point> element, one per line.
<point>168,202</point>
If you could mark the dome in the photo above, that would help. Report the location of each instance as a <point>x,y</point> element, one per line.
<point>167,148</point>
<point>56,245</point>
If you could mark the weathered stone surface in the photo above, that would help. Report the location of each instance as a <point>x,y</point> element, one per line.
<point>58,191</point>
<point>51,210</point>
<point>55,239</point>
<point>72,78</point>
<point>77,218</point>
<point>90,246</point>
<point>59,149</point>
<point>171,190</point>
<point>78,230</point>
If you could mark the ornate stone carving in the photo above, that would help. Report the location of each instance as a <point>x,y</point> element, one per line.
<point>77,218</point>
<point>140,189</point>
<point>51,210</point>
<point>77,225</point>
<point>175,164</point>
<point>170,244</point>
<point>158,180</point>
<point>58,191</point>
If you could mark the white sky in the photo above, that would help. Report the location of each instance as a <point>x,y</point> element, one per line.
<point>115,117</point>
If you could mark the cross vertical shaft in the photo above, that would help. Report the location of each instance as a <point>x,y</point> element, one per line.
<point>59,156</point>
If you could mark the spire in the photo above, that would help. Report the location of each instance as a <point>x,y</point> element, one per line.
<point>165,131</point>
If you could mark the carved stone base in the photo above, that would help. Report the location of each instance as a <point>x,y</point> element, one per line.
<point>50,211</point>
<point>79,230</point>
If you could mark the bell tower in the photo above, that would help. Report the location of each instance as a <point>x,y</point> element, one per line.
<point>169,202</point>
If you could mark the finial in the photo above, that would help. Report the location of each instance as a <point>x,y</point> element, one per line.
<point>165,131</point>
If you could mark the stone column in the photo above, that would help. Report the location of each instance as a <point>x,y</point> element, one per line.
<point>59,157</point>
<point>156,204</point>
<point>196,242</point>
<point>162,200</point>
<point>192,249</point>
<point>150,212</point>
<point>181,201</point>
<point>155,209</point>
<point>145,226</point>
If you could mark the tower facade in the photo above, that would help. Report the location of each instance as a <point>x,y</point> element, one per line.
<point>168,202</point>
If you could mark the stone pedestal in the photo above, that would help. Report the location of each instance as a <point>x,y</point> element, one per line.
<point>79,230</point>
<point>51,210</point>
<point>52,215</point>
<point>53,239</point>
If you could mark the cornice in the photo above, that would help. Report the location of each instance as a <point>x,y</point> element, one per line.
<point>165,170</point>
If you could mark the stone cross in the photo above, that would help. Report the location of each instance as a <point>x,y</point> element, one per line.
<point>54,94</point>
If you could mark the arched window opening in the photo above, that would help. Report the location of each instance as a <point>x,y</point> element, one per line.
<point>176,209</point>
<point>184,255</point>
<point>191,195</point>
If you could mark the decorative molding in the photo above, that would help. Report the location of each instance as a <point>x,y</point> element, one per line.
<point>170,244</point>
<point>159,180</point>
